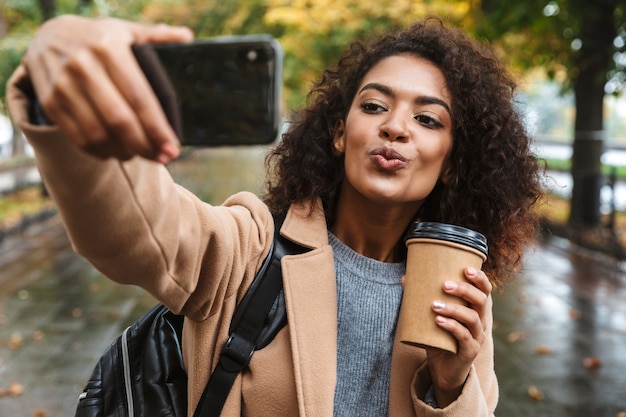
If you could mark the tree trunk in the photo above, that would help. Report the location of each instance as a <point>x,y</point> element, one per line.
<point>597,31</point>
<point>48,9</point>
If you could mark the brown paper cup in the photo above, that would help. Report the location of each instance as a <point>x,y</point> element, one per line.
<point>431,262</point>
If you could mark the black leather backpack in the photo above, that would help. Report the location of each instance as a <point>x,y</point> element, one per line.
<point>141,374</point>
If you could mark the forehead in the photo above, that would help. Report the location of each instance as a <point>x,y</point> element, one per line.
<point>409,74</point>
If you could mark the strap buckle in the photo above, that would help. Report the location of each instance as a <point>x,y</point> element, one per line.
<point>236,353</point>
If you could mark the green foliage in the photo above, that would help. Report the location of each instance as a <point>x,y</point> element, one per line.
<point>208,18</point>
<point>21,16</point>
<point>547,34</point>
<point>314,33</point>
<point>12,49</point>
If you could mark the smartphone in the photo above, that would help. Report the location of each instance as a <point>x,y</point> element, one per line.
<point>218,91</point>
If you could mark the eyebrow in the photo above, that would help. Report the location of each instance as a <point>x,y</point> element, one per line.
<point>419,100</point>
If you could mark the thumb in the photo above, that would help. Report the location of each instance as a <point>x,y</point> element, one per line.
<point>161,33</point>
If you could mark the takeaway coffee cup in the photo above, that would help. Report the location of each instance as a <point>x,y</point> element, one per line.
<point>436,252</point>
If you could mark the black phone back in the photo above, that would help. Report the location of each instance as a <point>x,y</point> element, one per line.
<point>220,91</point>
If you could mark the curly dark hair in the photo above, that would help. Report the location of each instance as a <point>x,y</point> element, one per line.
<point>495,177</point>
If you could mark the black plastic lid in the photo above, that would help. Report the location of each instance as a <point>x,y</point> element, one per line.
<point>450,233</point>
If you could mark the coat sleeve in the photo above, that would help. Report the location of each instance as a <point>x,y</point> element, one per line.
<point>480,392</point>
<point>134,224</point>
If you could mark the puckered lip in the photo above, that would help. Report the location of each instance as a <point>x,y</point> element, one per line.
<point>388,153</point>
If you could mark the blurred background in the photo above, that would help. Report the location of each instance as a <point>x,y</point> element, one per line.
<point>560,325</point>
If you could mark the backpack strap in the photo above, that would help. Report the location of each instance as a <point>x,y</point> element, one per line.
<point>257,319</point>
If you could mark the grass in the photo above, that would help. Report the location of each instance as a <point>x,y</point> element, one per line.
<point>563,165</point>
<point>21,204</point>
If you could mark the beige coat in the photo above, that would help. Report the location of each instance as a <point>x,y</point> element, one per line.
<point>137,226</point>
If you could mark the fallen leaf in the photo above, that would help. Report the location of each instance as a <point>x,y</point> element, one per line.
<point>38,335</point>
<point>574,314</point>
<point>543,350</point>
<point>592,363</point>
<point>16,341</point>
<point>39,412</point>
<point>534,393</point>
<point>4,392</point>
<point>515,336</point>
<point>16,389</point>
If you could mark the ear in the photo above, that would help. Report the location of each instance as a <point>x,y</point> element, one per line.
<point>339,139</point>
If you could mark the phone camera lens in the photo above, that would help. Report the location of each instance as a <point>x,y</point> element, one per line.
<point>252,55</point>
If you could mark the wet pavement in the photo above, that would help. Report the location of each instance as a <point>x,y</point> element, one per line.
<point>560,335</point>
<point>560,327</point>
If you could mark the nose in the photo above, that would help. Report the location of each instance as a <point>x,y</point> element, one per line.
<point>394,128</point>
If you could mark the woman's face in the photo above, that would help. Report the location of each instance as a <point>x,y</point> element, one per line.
<point>397,134</point>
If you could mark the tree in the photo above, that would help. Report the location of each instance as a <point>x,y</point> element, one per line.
<point>314,33</point>
<point>592,61</point>
<point>48,9</point>
<point>581,43</point>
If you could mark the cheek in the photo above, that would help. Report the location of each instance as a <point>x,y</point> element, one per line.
<point>436,150</point>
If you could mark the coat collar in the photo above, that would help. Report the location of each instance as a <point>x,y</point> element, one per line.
<point>305,224</point>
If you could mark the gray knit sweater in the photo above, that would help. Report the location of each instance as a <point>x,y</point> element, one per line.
<point>368,300</point>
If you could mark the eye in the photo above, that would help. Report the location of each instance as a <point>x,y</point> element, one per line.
<point>372,107</point>
<point>428,121</point>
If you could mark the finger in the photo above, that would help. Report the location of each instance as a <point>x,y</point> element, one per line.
<point>467,292</point>
<point>479,279</point>
<point>469,345</point>
<point>142,98</point>
<point>74,113</point>
<point>466,317</point>
<point>160,33</point>
<point>107,86</point>
<point>464,324</point>
<point>139,95</point>
<point>100,110</point>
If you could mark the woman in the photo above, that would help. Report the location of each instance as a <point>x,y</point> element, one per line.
<point>418,124</point>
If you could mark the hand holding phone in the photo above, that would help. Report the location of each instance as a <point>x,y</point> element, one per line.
<point>95,96</point>
<point>220,91</point>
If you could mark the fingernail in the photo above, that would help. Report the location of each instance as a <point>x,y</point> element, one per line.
<point>471,271</point>
<point>170,150</point>
<point>440,320</point>
<point>439,305</point>
<point>450,285</point>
